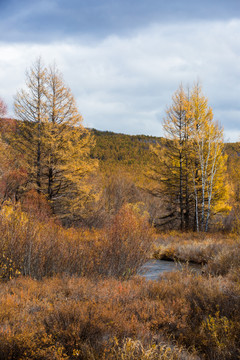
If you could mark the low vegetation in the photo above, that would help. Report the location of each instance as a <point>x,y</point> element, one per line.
<point>72,293</point>
<point>182,316</point>
<point>38,249</point>
<point>199,248</point>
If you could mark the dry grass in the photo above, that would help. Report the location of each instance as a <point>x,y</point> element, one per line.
<point>78,318</point>
<point>192,247</point>
<point>227,261</point>
<point>131,349</point>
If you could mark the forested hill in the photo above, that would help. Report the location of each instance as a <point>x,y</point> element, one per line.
<point>133,151</point>
<point>120,150</point>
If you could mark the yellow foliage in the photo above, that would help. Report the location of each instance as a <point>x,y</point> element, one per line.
<point>54,141</point>
<point>218,331</point>
<point>191,168</point>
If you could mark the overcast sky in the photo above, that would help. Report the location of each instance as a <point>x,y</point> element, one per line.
<point>123,59</point>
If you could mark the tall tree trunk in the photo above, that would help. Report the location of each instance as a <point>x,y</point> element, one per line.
<point>39,138</point>
<point>181,192</point>
<point>39,167</point>
<point>50,183</point>
<point>187,210</point>
<point>210,186</point>
<point>196,211</point>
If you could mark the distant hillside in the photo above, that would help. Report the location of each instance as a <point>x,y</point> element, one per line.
<point>127,149</point>
<point>133,151</point>
<point>122,149</point>
<point>129,152</point>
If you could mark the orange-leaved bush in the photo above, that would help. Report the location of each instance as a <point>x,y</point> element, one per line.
<point>128,241</point>
<point>38,247</point>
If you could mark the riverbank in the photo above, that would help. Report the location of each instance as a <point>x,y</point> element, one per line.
<point>195,248</point>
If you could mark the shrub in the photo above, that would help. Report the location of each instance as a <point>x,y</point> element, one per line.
<point>127,243</point>
<point>226,261</point>
<point>73,318</point>
<point>38,249</point>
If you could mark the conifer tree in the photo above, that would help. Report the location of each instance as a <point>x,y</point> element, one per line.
<point>55,141</point>
<point>30,108</point>
<point>174,158</point>
<point>67,145</point>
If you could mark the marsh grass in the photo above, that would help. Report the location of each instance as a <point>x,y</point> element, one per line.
<point>191,247</point>
<point>180,317</point>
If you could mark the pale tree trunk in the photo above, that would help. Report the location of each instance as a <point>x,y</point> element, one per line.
<point>39,120</point>
<point>196,208</point>
<point>210,185</point>
<point>204,169</point>
<point>187,200</point>
<point>196,198</point>
<point>181,177</point>
<point>204,152</point>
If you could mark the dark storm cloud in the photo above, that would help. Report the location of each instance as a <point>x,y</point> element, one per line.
<point>49,20</point>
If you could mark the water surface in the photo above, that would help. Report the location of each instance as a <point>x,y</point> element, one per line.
<point>152,269</point>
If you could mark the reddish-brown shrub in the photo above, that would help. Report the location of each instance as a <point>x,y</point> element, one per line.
<point>126,243</point>
<point>39,249</point>
<point>59,317</point>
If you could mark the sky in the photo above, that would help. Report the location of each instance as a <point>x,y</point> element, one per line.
<point>124,59</point>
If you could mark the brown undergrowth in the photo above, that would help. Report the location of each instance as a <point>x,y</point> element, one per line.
<point>72,294</point>
<point>79,318</point>
<point>44,248</point>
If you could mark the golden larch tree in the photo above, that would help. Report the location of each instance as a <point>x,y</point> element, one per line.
<point>52,135</point>
<point>173,159</point>
<point>191,166</point>
<point>30,108</point>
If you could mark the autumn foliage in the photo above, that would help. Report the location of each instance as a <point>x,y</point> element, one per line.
<point>3,108</point>
<point>191,169</point>
<point>39,248</point>
<point>79,318</point>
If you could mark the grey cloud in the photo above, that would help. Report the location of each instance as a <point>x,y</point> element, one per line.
<point>53,20</point>
<point>124,83</point>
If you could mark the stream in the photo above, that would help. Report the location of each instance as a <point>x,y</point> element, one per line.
<point>152,269</point>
